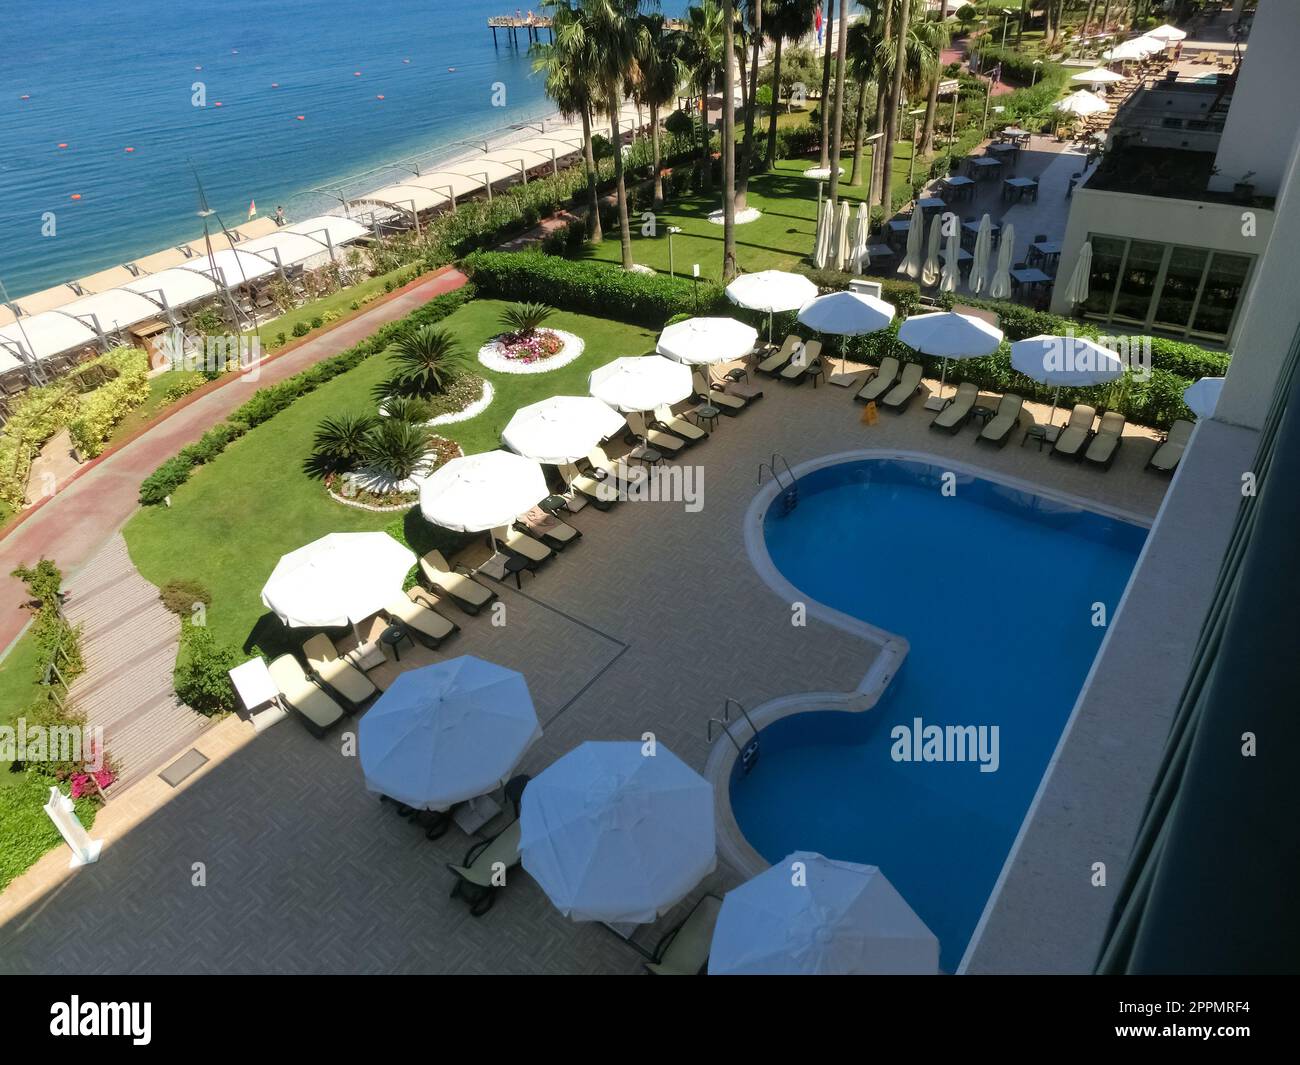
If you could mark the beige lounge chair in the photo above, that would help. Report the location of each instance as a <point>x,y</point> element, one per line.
<point>678,425</point>
<point>880,382</point>
<point>777,360</point>
<point>553,532</point>
<point>602,494</point>
<point>909,384</point>
<point>806,363</point>
<point>1105,445</point>
<point>661,441</point>
<point>956,410</point>
<point>313,705</point>
<point>1072,439</point>
<point>338,676</point>
<point>415,611</point>
<point>684,951</point>
<point>998,429</point>
<point>724,401</point>
<point>517,543</point>
<point>1170,453</point>
<point>464,591</point>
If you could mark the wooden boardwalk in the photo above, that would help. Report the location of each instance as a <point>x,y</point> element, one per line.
<point>129,641</point>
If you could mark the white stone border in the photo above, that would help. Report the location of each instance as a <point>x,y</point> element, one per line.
<point>414,483</point>
<point>749,214</point>
<point>491,356</point>
<point>472,411</point>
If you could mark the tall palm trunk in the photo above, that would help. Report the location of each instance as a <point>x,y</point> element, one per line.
<point>932,101</point>
<point>826,90</point>
<point>882,92</point>
<point>776,95</point>
<point>624,229</point>
<point>654,146</point>
<point>751,109</point>
<point>895,102</point>
<point>838,130</point>
<point>1020,25</point>
<point>1087,19</point>
<point>706,164</point>
<point>728,142</point>
<point>859,131</point>
<point>1105,16</point>
<point>594,231</point>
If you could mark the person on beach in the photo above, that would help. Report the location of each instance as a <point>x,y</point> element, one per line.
<point>279,216</point>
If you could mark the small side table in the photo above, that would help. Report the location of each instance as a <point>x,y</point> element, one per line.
<point>1044,434</point>
<point>516,564</point>
<point>393,636</point>
<point>981,413</point>
<point>647,456</point>
<point>706,412</point>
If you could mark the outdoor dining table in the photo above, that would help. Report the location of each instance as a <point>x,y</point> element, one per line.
<point>1030,276</point>
<point>931,203</point>
<point>1004,148</point>
<point>879,251</point>
<point>1015,133</point>
<point>963,257</point>
<point>970,231</point>
<point>959,187</point>
<point>982,165</point>
<point>896,231</point>
<point>1018,188</point>
<point>1046,252</point>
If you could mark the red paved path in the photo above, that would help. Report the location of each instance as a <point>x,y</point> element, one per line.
<point>72,525</point>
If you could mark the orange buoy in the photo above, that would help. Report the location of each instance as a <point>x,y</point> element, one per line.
<point>63,144</point>
<point>275,84</point>
<point>380,96</point>
<point>356,73</point>
<point>217,104</point>
<point>128,149</point>
<point>300,118</point>
<point>75,196</point>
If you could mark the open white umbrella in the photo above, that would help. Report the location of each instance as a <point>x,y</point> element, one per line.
<point>1000,286</point>
<point>822,243</point>
<point>613,834</point>
<point>1166,33</point>
<point>771,291</point>
<point>1098,76</point>
<point>703,341</point>
<point>979,267</point>
<point>484,491</point>
<point>1202,396</point>
<point>447,732</point>
<point>640,382</point>
<point>811,916</point>
<point>951,275</point>
<point>338,580</point>
<point>561,429</point>
<point>1076,291</point>
<point>1133,49</point>
<point>1082,103</point>
<point>1066,362</point>
<point>950,335</point>
<point>847,313</point>
<point>840,256</point>
<point>930,272</point>
<point>858,256</point>
<point>915,257</point>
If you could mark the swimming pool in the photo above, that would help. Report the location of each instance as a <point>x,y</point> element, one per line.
<point>996,590</point>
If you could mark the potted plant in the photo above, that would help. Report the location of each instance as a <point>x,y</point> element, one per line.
<point>1243,191</point>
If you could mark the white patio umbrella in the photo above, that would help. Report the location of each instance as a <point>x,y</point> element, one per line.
<point>771,291</point>
<point>640,382</point>
<point>1081,102</point>
<point>858,255</point>
<point>337,580</point>
<point>1202,396</point>
<point>1076,291</point>
<point>822,243</point>
<point>484,491</point>
<point>1098,76</point>
<point>1166,33</point>
<point>811,916</point>
<point>930,271</point>
<point>847,313</point>
<point>979,268</point>
<point>915,257</point>
<point>703,341</point>
<point>840,256</point>
<point>1065,361</point>
<point>1133,49</point>
<point>561,429</point>
<point>951,275</point>
<point>447,732</point>
<point>1000,286</point>
<point>950,335</point>
<point>612,834</point>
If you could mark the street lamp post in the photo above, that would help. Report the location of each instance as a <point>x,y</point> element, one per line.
<point>671,231</point>
<point>911,163</point>
<point>1037,63</point>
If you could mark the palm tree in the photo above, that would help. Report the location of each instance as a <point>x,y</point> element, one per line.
<point>702,51</point>
<point>398,449</point>
<point>655,77</point>
<point>901,19</point>
<point>341,440</point>
<point>428,359</point>
<point>838,128</point>
<point>749,88</point>
<point>784,20</point>
<point>728,140</point>
<point>864,39</point>
<point>909,60</point>
<point>611,27</point>
<point>826,87</point>
<point>932,102</point>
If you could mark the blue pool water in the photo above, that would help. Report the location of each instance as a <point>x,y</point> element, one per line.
<point>994,590</point>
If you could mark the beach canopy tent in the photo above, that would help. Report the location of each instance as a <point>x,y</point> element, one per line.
<point>232,268</point>
<point>161,260</point>
<point>199,246</point>
<point>481,167</point>
<point>1166,33</point>
<point>113,277</point>
<point>1098,76</point>
<point>114,310</point>
<point>1081,102</point>
<point>448,182</point>
<point>641,382</point>
<point>178,287</point>
<point>516,157</point>
<point>340,230</point>
<point>288,249</point>
<point>45,335</point>
<point>254,227</point>
<point>338,580</point>
<point>484,491</point>
<point>552,151</point>
<point>561,429</point>
<point>412,199</point>
<point>567,135</point>
<point>7,315</point>
<point>447,732</point>
<point>613,834</point>
<point>811,916</point>
<point>47,299</point>
<point>704,341</point>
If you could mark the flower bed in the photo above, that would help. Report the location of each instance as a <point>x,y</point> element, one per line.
<point>544,350</point>
<point>472,409</point>
<point>371,490</point>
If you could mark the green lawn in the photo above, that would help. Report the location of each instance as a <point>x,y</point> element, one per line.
<point>19,676</point>
<point>777,241</point>
<point>152,406</point>
<point>236,516</point>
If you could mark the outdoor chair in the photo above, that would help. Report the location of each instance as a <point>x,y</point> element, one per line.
<point>414,612</point>
<point>684,950</point>
<point>998,429</point>
<point>1170,452</point>
<point>462,590</point>
<point>909,384</point>
<point>806,363</point>
<point>775,362</point>
<point>474,876</point>
<point>956,411</point>
<point>599,493</point>
<point>665,443</point>
<point>315,707</point>
<point>677,425</point>
<point>1105,445</point>
<point>553,532</point>
<point>880,381</point>
<point>713,394</point>
<point>339,677</point>
<point>523,546</point>
<point>1077,432</point>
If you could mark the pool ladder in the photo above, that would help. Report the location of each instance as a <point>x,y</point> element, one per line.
<point>749,752</point>
<point>789,492</point>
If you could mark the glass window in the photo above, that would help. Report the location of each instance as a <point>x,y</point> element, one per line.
<point>1178,294</point>
<point>1138,285</point>
<point>1107,254</point>
<point>1224,285</point>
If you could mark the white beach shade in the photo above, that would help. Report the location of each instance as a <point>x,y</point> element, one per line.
<point>1133,49</point>
<point>1065,362</point>
<point>859,257</point>
<point>1081,103</point>
<point>612,834</point>
<point>1202,396</point>
<point>847,313</point>
<point>771,291</point>
<point>1098,76</point>
<point>640,382</point>
<point>337,580</point>
<point>1000,286</point>
<point>951,276</point>
<point>1077,290</point>
<point>822,243</point>
<point>930,271</point>
<point>979,278</point>
<point>484,491</point>
<point>561,429</point>
<point>703,341</point>
<point>1166,33</point>
<point>812,916</point>
<point>950,335</point>
<point>447,732</point>
<point>915,257</point>
<point>842,216</point>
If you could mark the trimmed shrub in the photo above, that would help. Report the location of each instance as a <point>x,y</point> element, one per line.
<point>203,671</point>
<point>180,596</point>
<point>99,411</point>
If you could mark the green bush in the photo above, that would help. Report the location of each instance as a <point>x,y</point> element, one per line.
<point>180,596</point>
<point>203,671</point>
<point>301,329</point>
<point>100,410</point>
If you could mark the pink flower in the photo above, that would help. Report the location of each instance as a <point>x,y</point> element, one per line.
<point>79,782</point>
<point>104,777</point>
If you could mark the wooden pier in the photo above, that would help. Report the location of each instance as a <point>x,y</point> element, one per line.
<point>532,25</point>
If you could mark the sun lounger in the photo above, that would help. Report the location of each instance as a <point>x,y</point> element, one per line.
<point>1170,453</point>
<point>806,363</point>
<point>313,705</point>
<point>684,951</point>
<point>553,532</point>
<point>724,401</point>
<point>474,876</point>
<point>678,425</point>
<point>997,430</point>
<point>464,591</point>
<point>514,542</point>
<point>416,614</point>
<point>775,362</point>
<point>339,677</point>
<point>957,410</point>
<point>909,384</point>
<point>661,441</point>
<point>1071,440</point>
<point>1105,445</point>
<point>602,494</point>
<point>879,382</point>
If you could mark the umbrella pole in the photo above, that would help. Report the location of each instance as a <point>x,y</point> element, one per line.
<point>1051,419</point>
<point>943,376</point>
<point>769,326</point>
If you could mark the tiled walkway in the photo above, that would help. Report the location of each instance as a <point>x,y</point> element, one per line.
<point>645,625</point>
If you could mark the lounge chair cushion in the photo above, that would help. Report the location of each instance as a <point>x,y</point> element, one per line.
<point>523,544</point>
<point>688,950</point>
<point>678,425</point>
<point>1108,438</point>
<point>457,585</point>
<point>881,382</point>
<point>804,362</point>
<point>302,694</point>
<point>344,678</point>
<point>908,382</point>
<point>1004,420</point>
<point>418,614</point>
<point>548,526</point>
<point>504,848</point>
<point>1077,430</point>
<point>781,356</point>
<point>957,408</point>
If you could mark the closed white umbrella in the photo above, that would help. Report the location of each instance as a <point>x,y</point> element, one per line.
<point>979,268</point>
<point>1066,362</point>
<point>841,250</point>
<point>771,291</point>
<point>825,227</point>
<point>561,429</point>
<point>447,732</point>
<point>703,341</point>
<point>641,382</point>
<point>951,276</point>
<point>950,335</point>
<point>484,491</point>
<point>1077,290</point>
<point>861,235</point>
<point>930,272</point>
<point>1166,33</point>
<point>915,257</point>
<point>337,580</point>
<point>613,834</point>
<point>1000,286</point>
<point>1202,396</point>
<point>1081,103</point>
<point>811,916</point>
